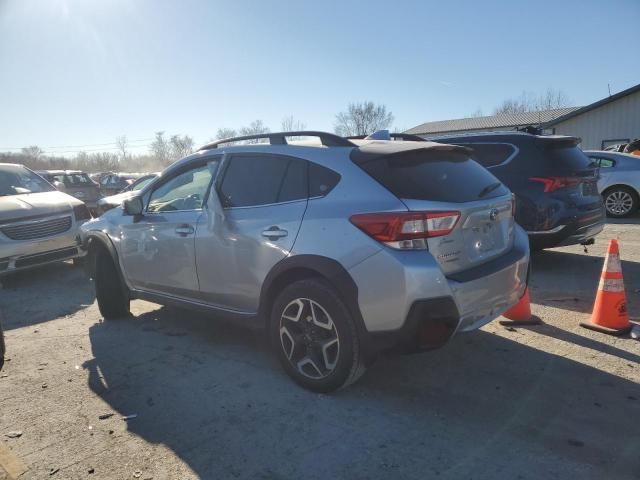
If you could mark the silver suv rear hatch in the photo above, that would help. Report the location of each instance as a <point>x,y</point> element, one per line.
<point>432,177</point>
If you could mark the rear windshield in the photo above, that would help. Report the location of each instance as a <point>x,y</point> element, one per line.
<point>76,180</point>
<point>437,176</point>
<point>568,160</point>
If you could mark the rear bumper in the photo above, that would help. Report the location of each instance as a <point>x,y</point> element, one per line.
<point>422,309</point>
<point>572,230</point>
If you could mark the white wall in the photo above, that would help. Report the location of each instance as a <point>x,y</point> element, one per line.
<point>619,119</point>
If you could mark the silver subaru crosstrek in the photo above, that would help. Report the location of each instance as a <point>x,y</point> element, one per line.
<point>344,247</point>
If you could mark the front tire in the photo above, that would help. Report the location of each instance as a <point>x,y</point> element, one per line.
<point>315,338</point>
<point>620,202</point>
<point>113,300</point>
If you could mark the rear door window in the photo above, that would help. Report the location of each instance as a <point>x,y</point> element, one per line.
<point>255,179</point>
<point>434,175</point>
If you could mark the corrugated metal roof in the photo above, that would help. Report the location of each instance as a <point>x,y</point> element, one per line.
<point>493,121</point>
<point>599,103</point>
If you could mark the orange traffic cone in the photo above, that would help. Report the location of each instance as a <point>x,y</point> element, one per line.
<point>520,313</point>
<point>610,308</point>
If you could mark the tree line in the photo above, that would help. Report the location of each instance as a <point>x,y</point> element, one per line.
<point>359,118</point>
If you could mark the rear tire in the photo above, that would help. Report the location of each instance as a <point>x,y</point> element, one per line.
<point>620,202</point>
<point>315,338</point>
<point>113,300</point>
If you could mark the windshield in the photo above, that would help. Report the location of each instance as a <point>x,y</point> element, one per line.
<point>18,180</point>
<point>139,184</point>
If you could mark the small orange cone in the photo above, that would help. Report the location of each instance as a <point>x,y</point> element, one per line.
<point>520,313</point>
<point>610,308</point>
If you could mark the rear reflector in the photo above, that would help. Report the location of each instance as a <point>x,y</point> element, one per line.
<point>551,184</point>
<point>406,230</point>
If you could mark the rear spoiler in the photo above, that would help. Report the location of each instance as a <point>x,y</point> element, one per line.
<point>558,141</point>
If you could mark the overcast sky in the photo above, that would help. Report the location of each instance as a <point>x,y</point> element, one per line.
<point>81,72</point>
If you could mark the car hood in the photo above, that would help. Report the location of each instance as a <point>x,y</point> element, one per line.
<point>29,205</point>
<point>117,199</point>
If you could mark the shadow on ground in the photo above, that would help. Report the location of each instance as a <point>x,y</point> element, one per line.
<point>570,280</point>
<point>42,294</point>
<point>483,407</point>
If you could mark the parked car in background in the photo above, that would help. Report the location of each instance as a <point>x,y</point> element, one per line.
<point>113,183</point>
<point>557,199</point>
<point>619,181</point>
<point>38,224</point>
<point>344,248</point>
<point>112,201</point>
<point>76,183</point>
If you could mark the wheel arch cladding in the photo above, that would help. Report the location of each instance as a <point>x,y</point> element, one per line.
<point>100,240</point>
<point>299,267</point>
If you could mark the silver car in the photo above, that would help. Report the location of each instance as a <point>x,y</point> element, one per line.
<point>38,224</point>
<point>619,181</point>
<point>344,248</point>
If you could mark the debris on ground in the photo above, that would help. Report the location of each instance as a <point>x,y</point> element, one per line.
<point>105,416</point>
<point>14,434</point>
<point>53,471</point>
<point>130,417</point>
<point>137,474</point>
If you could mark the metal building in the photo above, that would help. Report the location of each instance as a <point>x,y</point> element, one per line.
<point>612,120</point>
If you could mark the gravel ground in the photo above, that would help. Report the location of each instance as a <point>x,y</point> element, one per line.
<point>550,401</point>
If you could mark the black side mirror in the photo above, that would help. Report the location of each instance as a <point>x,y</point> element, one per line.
<point>133,206</point>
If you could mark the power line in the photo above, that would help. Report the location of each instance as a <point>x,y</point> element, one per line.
<point>79,146</point>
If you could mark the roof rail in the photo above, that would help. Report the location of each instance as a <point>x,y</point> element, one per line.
<point>398,136</point>
<point>280,138</point>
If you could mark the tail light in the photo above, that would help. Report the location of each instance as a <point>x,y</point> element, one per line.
<point>406,230</point>
<point>81,212</point>
<point>551,184</point>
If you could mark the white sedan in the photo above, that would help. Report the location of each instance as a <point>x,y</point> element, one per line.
<point>619,181</point>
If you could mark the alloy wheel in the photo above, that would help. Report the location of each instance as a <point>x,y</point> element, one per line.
<point>619,202</point>
<point>309,338</point>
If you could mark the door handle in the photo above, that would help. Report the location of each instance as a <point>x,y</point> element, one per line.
<point>274,233</point>
<point>184,230</point>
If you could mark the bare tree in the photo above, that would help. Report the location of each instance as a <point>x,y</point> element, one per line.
<point>529,102</point>
<point>122,145</point>
<point>362,119</point>
<point>33,152</point>
<point>181,146</point>
<point>223,133</point>
<point>255,128</point>
<point>290,124</point>
<point>477,113</point>
<point>160,149</point>
<point>553,99</point>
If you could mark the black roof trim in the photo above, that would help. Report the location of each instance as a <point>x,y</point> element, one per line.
<point>280,138</point>
<point>592,106</point>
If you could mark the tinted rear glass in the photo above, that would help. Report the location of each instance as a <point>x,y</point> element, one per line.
<point>567,160</point>
<point>437,176</point>
<point>490,154</point>
<point>321,180</point>
<point>253,180</point>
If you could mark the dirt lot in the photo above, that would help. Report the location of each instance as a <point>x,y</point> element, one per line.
<point>551,401</point>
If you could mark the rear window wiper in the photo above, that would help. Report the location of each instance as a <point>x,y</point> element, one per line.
<point>489,189</point>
